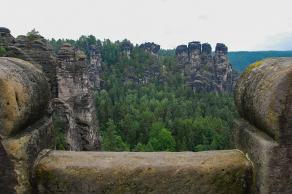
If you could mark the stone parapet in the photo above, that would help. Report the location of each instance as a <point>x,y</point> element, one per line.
<point>214,172</point>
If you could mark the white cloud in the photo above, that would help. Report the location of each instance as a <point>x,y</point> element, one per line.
<point>241,24</point>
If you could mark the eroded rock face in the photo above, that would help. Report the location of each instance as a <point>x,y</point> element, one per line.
<point>223,69</point>
<point>126,47</point>
<point>263,97</point>
<point>36,50</point>
<point>94,69</point>
<point>25,122</point>
<point>206,49</point>
<point>5,37</point>
<point>7,175</point>
<point>151,47</point>
<point>182,55</point>
<point>24,95</point>
<point>74,89</point>
<point>218,172</point>
<point>77,78</point>
<point>22,150</point>
<point>204,72</point>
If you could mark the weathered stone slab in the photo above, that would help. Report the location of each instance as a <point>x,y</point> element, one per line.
<point>214,172</point>
<point>271,162</point>
<point>264,97</point>
<point>20,152</point>
<point>7,175</point>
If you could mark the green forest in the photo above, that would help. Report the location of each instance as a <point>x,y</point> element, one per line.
<point>144,104</point>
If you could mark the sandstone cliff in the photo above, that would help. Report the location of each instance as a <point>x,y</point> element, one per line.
<point>263,96</point>
<point>76,100</point>
<point>72,79</point>
<point>94,68</point>
<point>151,47</point>
<point>25,122</point>
<point>126,47</point>
<point>5,37</point>
<point>35,49</point>
<point>204,71</point>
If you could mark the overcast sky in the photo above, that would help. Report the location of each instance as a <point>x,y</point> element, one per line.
<point>240,24</point>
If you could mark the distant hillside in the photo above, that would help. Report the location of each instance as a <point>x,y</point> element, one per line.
<point>240,60</point>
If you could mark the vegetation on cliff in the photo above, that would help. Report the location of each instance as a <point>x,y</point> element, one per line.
<point>2,51</point>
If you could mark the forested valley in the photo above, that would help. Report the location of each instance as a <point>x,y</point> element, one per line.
<point>145,105</point>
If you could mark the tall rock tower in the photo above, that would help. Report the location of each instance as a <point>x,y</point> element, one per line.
<point>94,68</point>
<point>75,106</point>
<point>203,71</point>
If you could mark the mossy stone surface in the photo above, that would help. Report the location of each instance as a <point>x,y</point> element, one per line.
<point>263,97</point>
<point>220,172</point>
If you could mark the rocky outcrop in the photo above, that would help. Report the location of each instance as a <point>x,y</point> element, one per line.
<point>182,55</point>
<point>223,69</point>
<point>24,95</point>
<point>71,74</point>
<point>126,47</point>
<point>8,178</point>
<point>205,72</point>
<point>219,172</point>
<point>25,122</point>
<point>151,71</point>
<point>94,68</point>
<point>5,37</point>
<point>151,48</point>
<point>263,97</point>
<point>76,98</point>
<point>35,49</point>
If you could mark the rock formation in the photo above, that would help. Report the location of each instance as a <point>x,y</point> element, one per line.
<point>204,72</point>
<point>151,48</point>
<point>76,100</point>
<point>223,69</point>
<point>5,37</point>
<point>25,123</point>
<point>150,71</point>
<point>72,79</point>
<point>263,96</point>
<point>35,49</point>
<point>126,47</point>
<point>154,69</point>
<point>94,69</point>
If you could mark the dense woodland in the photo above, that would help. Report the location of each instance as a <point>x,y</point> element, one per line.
<point>144,104</point>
